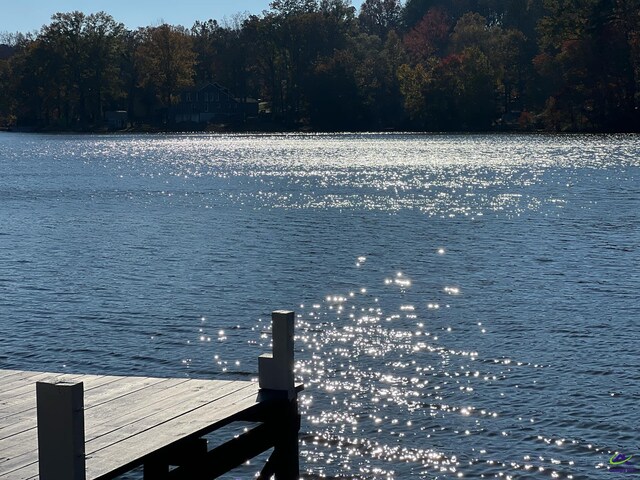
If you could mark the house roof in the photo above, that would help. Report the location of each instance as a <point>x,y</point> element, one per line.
<point>201,86</point>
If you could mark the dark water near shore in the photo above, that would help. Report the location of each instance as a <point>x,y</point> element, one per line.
<point>468,305</point>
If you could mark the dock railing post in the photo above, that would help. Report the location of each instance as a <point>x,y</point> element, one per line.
<point>60,413</point>
<point>275,370</point>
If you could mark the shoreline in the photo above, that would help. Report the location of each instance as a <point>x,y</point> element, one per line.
<point>146,129</point>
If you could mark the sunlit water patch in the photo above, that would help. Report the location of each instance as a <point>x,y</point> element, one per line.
<point>440,175</point>
<point>466,305</point>
<point>408,389</point>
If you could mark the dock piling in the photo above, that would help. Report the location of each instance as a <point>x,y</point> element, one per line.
<point>275,370</point>
<point>60,420</point>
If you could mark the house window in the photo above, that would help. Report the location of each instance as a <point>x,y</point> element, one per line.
<point>188,96</point>
<point>206,97</point>
<point>217,96</point>
<point>206,106</point>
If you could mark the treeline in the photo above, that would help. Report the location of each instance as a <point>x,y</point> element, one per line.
<point>323,64</point>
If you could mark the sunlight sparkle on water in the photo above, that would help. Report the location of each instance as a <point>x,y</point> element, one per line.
<point>391,378</point>
<point>416,385</point>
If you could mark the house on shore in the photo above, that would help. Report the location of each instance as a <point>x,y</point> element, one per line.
<point>116,119</point>
<point>212,103</point>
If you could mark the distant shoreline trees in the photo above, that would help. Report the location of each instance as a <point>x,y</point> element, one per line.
<point>425,65</point>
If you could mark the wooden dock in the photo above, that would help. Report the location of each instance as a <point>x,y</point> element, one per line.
<point>100,426</point>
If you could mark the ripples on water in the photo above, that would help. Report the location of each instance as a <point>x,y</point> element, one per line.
<point>467,305</point>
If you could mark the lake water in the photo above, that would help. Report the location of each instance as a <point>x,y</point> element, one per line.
<point>468,305</point>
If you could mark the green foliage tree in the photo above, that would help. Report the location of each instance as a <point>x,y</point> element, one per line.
<point>205,44</point>
<point>103,43</point>
<point>303,33</point>
<point>333,95</point>
<point>130,93</point>
<point>62,42</point>
<point>266,60</point>
<point>25,83</point>
<point>454,94</point>
<point>6,98</point>
<point>379,17</point>
<point>357,86</point>
<point>387,106</point>
<point>69,73</point>
<point>474,102</point>
<point>285,8</point>
<point>414,85</point>
<point>504,49</point>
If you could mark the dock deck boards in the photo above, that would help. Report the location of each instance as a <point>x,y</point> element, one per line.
<point>126,418</point>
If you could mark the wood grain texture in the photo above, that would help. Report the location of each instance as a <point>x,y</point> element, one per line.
<point>126,418</point>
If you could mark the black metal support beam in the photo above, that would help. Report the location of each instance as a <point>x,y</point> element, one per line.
<point>227,456</point>
<point>157,466</point>
<point>284,461</point>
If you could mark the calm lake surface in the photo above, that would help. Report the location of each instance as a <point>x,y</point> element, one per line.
<point>467,305</point>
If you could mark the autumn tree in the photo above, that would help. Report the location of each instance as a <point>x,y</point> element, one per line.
<point>589,64</point>
<point>166,61</point>
<point>415,10</point>
<point>423,64</point>
<point>430,37</point>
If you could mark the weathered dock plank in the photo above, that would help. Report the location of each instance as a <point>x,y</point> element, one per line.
<point>20,400</point>
<point>20,389</point>
<point>136,443</point>
<point>103,427</point>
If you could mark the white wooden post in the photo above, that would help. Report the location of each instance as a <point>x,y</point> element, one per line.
<point>60,430</point>
<point>275,370</point>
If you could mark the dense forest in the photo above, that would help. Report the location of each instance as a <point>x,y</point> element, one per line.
<point>428,65</point>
